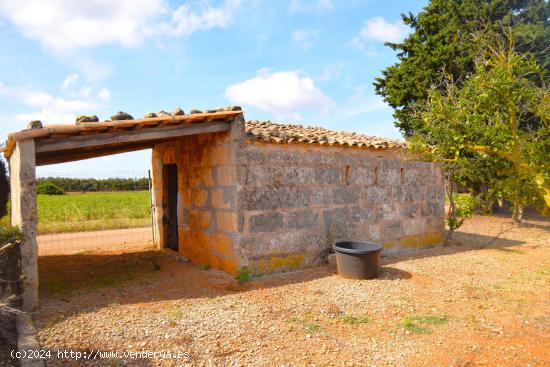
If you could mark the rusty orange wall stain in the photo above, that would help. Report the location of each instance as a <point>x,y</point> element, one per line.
<point>279,263</point>
<point>210,226</point>
<point>423,240</point>
<point>226,221</point>
<point>169,156</point>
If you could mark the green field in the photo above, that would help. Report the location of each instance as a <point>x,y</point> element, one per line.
<point>78,212</point>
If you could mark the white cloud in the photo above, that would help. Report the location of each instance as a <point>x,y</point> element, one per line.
<point>304,37</point>
<point>104,94</point>
<point>310,6</point>
<point>50,108</point>
<point>67,25</point>
<point>34,99</point>
<point>283,93</point>
<point>377,29</point>
<point>72,86</point>
<point>185,21</point>
<point>70,80</point>
<point>3,89</point>
<point>85,91</point>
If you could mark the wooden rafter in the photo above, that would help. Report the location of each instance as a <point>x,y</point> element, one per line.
<point>100,130</point>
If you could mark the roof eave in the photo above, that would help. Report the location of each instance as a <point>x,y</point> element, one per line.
<point>99,127</point>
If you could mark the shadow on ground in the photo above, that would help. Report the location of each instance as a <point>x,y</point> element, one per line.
<point>462,242</point>
<point>78,283</point>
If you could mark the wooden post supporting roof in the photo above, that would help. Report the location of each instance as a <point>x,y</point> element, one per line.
<point>24,215</point>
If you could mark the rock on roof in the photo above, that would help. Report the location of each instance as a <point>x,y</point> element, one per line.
<point>36,130</point>
<point>269,132</point>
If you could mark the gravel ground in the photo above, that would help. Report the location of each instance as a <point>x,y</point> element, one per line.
<point>479,302</point>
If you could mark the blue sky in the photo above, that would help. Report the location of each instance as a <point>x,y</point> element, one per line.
<point>302,61</point>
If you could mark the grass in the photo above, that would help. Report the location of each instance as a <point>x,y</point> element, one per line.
<point>243,275</point>
<point>307,324</point>
<point>94,279</point>
<point>174,314</point>
<point>80,212</point>
<point>59,287</point>
<point>418,324</point>
<point>352,320</point>
<point>62,287</point>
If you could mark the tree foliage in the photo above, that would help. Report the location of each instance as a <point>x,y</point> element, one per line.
<point>9,235</point>
<point>10,239</point>
<point>4,189</point>
<point>441,41</point>
<point>93,185</point>
<point>48,188</point>
<point>485,121</point>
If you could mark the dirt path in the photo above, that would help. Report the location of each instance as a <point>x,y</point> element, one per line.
<point>81,242</point>
<point>479,303</point>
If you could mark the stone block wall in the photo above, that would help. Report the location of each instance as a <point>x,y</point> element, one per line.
<point>295,200</point>
<point>276,207</point>
<point>207,207</point>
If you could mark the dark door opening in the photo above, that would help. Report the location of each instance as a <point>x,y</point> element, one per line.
<point>171,180</point>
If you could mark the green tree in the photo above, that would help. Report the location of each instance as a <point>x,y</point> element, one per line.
<point>481,118</point>
<point>441,42</point>
<point>49,189</point>
<point>4,189</point>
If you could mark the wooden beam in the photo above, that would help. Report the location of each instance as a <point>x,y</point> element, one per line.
<point>91,126</point>
<point>99,127</point>
<point>120,138</point>
<point>71,156</point>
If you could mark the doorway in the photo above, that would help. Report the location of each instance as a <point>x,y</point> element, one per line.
<point>171,203</point>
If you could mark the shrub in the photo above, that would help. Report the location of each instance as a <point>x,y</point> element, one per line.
<point>466,205</point>
<point>10,238</point>
<point>93,184</point>
<point>243,275</point>
<point>49,189</point>
<point>9,235</point>
<point>4,189</point>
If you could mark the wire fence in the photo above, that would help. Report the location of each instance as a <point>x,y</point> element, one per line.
<point>108,212</point>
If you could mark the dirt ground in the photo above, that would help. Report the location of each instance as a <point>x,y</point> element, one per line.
<point>481,302</point>
<point>95,241</point>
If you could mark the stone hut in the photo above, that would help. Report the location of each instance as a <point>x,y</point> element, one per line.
<point>274,197</point>
<point>235,195</point>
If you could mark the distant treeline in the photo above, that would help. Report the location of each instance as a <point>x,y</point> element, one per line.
<point>93,185</point>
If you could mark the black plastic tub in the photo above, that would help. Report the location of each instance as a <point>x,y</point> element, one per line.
<point>357,260</point>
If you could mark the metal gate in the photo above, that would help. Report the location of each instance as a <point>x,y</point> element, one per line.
<point>80,213</point>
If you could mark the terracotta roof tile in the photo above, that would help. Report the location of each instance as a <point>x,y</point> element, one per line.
<point>269,132</point>
<point>37,130</point>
